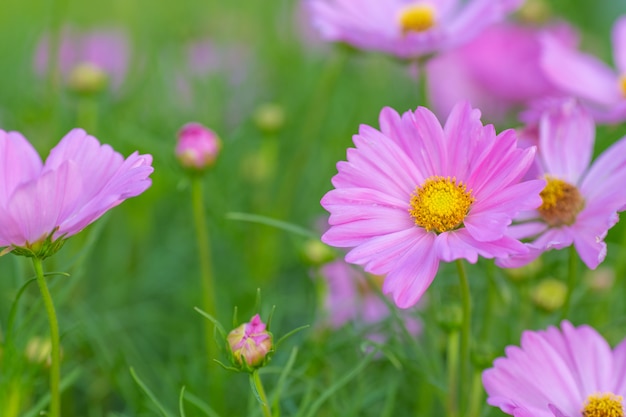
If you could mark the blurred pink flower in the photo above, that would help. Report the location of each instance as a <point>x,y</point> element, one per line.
<point>80,180</point>
<point>105,50</point>
<point>499,71</point>
<point>416,193</point>
<point>405,28</point>
<point>349,298</point>
<point>250,343</point>
<point>581,200</point>
<point>602,88</point>
<point>566,372</point>
<point>197,146</point>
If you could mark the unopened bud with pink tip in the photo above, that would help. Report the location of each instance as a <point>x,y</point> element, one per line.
<point>251,344</point>
<point>197,146</point>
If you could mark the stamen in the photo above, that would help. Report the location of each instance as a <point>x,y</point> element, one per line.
<point>561,202</point>
<point>440,204</point>
<point>603,405</point>
<point>416,18</point>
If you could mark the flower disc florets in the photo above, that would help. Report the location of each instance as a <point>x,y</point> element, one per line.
<point>604,405</point>
<point>440,204</point>
<point>561,202</point>
<point>416,18</point>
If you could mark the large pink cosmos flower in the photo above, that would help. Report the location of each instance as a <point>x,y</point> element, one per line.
<point>79,182</point>
<point>580,202</point>
<point>602,88</point>
<point>559,373</point>
<point>406,28</point>
<point>414,193</point>
<point>102,50</point>
<point>499,71</point>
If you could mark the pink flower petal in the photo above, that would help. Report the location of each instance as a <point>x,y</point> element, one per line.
<point>413,274</point>
<point>566,141</point>
<point>579,74</point>
<point>19,163</point>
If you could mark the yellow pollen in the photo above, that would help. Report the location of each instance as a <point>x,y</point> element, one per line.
<point>622,85</point>
<point>603,405</point>
<point>416,18</point>
<point>440,204</point>
<point>561,202</point>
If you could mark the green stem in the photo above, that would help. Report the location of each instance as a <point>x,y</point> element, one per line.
<point>262,398</point>
<point>466,326</point>
<point>55,352</point>
<point>453,367</point>
<point>571,281</point>
<point>204,255</point>
<point>476,395</point>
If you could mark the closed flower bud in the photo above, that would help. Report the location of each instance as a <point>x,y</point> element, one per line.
<point>315,252</point>
<point>250,344</point>
<point>87,78</point>
<point>197,146</point>
<point>269,117</point>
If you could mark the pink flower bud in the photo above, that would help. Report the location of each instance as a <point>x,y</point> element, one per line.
<point>197,146</point>
<point>250,343</point>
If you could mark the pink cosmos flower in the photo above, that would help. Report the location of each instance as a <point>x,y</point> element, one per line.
<point>602,88</point>
<point>565,372</point>
<point>103,50</point>
<point>197,146</point>
<point>349,298</point>
<point>416,193</point>
<point>580,201</point>
<point>80,180</point>
<point>406,28</point>
<point>499,71</point>
<point>250,343</point>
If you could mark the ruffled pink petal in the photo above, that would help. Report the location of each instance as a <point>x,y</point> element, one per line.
<point>618,37</point>
<point>418,134</point>
<point>97,163</point>
<point>619,368</point>
<point>532,376</point>
<point>517,261</point>
<point>590,247</point>
<point>566,141</point>
<point>38,206</point>
<point>461,242</point>
<point>496,168</point>
<point>579,74</point>
<point>130,179</point>
<point>380,254</point>
<point>527,230</point>
<point>377,150</point>
<point>19,163</point>
<point>592,358</point>
<point>488,219</point>
<point>336,200</point>
<point>607,175</point>
<point>413,273</point>
<point>463,132</point>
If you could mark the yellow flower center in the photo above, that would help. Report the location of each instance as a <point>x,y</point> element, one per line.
<point>440,204</point>
<point>603,405</point>
<point>416,18</point>
<point>561,202</point>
